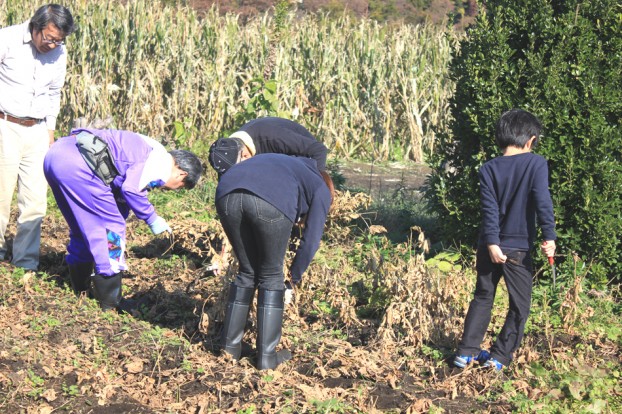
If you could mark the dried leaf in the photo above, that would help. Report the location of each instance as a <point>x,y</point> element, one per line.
<point>576,388</point>
<point>419,406</point>
<point>136,366</point>
<point>377,229</point>
<point>49,395</point>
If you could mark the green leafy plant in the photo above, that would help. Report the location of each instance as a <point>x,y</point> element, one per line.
<point>263,101</point>
<point>332,405</point>
<point>185,133</point>
<point>37,383</point>
<point>70,390</point>
<point>446,261</point>
<point>564,64</point>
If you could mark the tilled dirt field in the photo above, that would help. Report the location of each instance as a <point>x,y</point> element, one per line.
<point>385,179</point>
<point>59,353</point>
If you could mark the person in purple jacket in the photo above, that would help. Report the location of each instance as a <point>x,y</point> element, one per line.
<point>514,194</point>
<point>96,197</point>
<point>258,202</point>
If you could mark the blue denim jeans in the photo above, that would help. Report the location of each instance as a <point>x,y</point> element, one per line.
<point>259,234</point>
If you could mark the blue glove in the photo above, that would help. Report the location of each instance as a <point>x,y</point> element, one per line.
<point>160,225</point>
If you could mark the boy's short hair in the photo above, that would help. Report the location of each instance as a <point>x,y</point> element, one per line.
<point>516,127</point>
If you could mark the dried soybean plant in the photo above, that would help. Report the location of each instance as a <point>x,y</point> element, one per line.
<point>570,309</point>
<point>426,305</point>
<point>365,89</point>
<point>345,209</point>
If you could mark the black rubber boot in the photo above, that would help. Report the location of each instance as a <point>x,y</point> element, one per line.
<point>235,320</point>
<point>80,277</point>
<point>269,326</point>
<point>107,290</point>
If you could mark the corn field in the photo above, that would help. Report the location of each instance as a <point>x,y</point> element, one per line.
<point>366,90</point>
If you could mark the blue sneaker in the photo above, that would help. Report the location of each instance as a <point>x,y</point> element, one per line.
<point>493,363</point>
<point>461,361</point>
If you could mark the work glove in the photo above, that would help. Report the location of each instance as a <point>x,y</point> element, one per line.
<point>160,225</point>
<point>289,293</point>
<point>290,289</point>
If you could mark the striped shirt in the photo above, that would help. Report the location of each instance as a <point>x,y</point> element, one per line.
<point>30,81</point>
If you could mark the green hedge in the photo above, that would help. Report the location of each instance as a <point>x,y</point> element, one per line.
<point>561,60</point>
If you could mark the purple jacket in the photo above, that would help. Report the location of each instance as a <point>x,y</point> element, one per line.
<point>135,157</point>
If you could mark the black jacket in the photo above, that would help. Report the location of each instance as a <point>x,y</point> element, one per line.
<point>282,136</point>
<point>514,191</point>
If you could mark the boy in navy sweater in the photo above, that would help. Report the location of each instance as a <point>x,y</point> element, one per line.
<point>514,193</point>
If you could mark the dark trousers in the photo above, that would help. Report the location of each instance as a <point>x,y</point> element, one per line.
<point>518,273</point>
<point>259,234</point>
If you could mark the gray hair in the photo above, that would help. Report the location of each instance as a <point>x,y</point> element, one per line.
<point>190,163</point>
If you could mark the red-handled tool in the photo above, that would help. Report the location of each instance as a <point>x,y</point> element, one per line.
<point>552,263</point>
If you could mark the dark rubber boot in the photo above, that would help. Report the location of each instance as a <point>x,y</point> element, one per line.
<point>107,290</point>
<point>269,326</point>
<point>80,277</point>
<point>235,320</point>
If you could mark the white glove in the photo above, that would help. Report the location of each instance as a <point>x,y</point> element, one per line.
<point>160,225</point>
<point>289,293</point>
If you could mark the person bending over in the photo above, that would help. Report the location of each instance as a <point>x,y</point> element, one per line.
<point>98,177</point>
<point>274,135</point>
<point>258,201</point>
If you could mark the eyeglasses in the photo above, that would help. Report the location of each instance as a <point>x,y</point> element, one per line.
<point>49,42</point>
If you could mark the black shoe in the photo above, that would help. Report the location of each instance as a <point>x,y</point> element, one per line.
<point>236,315</point>
<point>107,290</point>
<point>80,277</point>
<point>269,327</point>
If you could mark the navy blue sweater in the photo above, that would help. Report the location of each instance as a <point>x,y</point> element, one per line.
<point>514,190</point>
<point>282,136</point>
<point>291,184</point>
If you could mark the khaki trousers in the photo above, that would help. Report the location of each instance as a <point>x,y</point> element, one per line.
<point>22,150</point>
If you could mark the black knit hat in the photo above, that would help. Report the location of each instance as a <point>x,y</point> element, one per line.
<point>224,153</point>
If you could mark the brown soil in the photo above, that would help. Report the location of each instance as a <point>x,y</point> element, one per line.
<point>88,361</point>
<point>383,180</point>
<point>59,353</point>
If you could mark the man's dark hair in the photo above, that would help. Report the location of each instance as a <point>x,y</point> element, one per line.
<point>516,127</point>
<point>190,163</point>
<point>55,14</point>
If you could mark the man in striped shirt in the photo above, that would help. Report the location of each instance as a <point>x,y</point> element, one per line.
<point>33,63</point>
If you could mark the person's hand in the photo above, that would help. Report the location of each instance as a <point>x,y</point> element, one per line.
<point>548,248</point>
<point>51,135</point>
<point>290,292</point>
<point>159,225</point>
<point>496,255</point>
<point>290,288</point>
